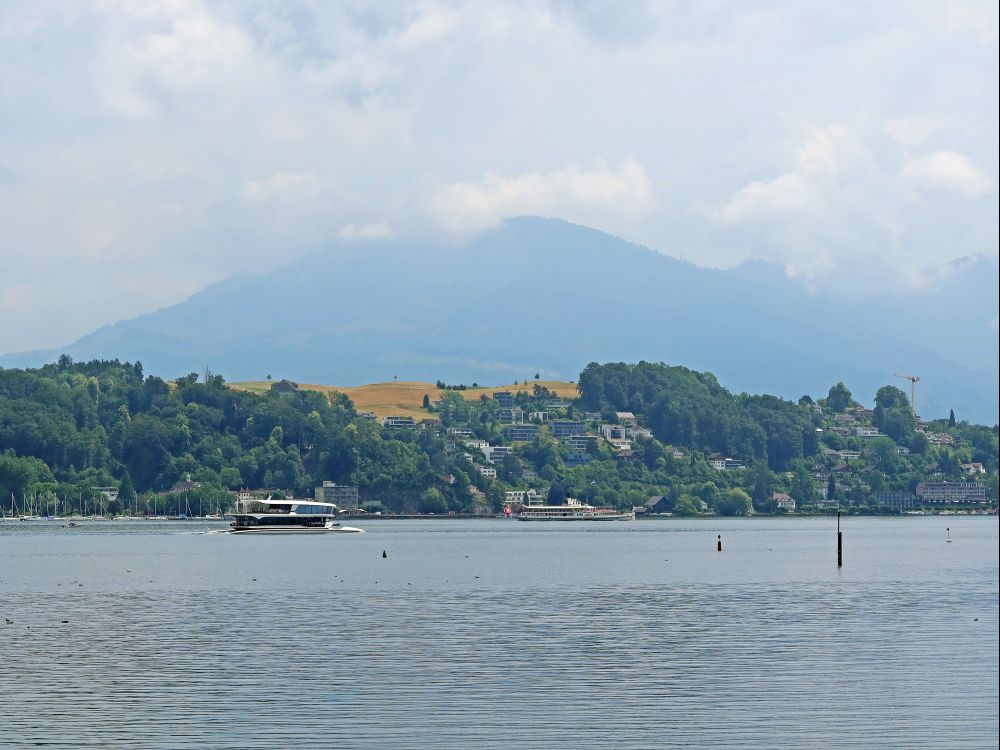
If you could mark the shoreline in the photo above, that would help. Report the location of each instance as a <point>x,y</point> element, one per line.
<point>990,512</point>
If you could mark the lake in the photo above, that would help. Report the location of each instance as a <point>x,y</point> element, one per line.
<point>502,634</point>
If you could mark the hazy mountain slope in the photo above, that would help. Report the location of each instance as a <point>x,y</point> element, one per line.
<point>545,296</point>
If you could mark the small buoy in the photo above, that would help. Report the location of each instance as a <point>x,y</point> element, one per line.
<point>384,555</point>
<point>948,538</point>
<point>718,543</point>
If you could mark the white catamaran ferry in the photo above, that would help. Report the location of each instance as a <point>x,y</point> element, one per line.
<point>573,510</point>
<point>288,517</point>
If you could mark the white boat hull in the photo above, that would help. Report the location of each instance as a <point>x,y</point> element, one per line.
<point>297,530</point>
<point>616,517</point>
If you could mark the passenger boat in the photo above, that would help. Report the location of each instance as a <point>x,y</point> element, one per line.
<point>573,510</point>
<point>288,517</point>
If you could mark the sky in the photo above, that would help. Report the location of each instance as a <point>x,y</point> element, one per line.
<point>150,149</point>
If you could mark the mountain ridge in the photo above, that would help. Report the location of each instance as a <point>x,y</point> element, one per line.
<point>542,295</point>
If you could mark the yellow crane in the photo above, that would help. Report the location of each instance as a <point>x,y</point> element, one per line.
<point>914,379</point>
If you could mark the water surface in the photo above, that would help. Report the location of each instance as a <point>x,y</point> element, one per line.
<point>502,634</point>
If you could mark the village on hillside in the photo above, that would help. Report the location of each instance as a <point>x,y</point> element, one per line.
<point>528,446</point>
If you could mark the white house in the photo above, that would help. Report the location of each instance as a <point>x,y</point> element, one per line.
<point>525,497</point>
<point>784,501</point>
<point>495,453</point>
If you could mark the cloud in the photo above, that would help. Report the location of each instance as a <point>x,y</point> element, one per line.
<point>377,231</point>
<point>192,139</point>
<point>915,130</point>
<point>796,191</point>
<point>948,171</point>
<point>288,187</point>
<point>569,193</point>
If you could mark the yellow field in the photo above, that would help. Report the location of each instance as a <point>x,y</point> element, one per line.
<point>406,398</point>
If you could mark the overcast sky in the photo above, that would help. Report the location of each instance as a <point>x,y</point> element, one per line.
<point>149,149</point>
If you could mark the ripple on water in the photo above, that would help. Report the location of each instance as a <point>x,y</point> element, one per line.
<point>634,667</point>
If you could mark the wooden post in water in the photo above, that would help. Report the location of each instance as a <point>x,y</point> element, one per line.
<point>718,543</point>
<point>840,543</point>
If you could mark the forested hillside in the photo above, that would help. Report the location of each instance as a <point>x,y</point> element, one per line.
<point>68,428</point>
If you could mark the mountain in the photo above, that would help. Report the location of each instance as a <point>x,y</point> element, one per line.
<point>541,295</point>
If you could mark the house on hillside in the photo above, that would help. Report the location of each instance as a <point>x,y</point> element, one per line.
<point>504,398</point>
<point>285,386</point>
<point>185,486</point>
<point>521,433</point>
<point>582,442</point>
<point>565,428</point>
<point>973,469</point>
<point>496,453</point>
<point>626,418</point>
<point>720,462</point>
<point>612,432</point>
<point>511,415</point>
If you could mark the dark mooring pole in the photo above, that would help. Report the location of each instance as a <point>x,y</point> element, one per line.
<point>840,543</point>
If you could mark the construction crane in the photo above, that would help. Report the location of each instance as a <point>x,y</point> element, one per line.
<point>914,379</point>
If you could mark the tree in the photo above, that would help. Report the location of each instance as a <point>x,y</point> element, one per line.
<point>557,494</point>
<point>537,376</point>
<point>831,489</point>
<point>802,486</point>
<point>951,417</point>
<point>686,505</point>
<point>126,490</point>
<point>839,398</point>
<point>892,414</point>
<point>761,484</point>
<point>919,443</point>
<point>427,401</point>
<point>432,501</point>
<point>734,502</point>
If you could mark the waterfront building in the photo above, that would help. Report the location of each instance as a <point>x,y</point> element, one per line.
<point>952,493</point>
<point>343,496</point>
